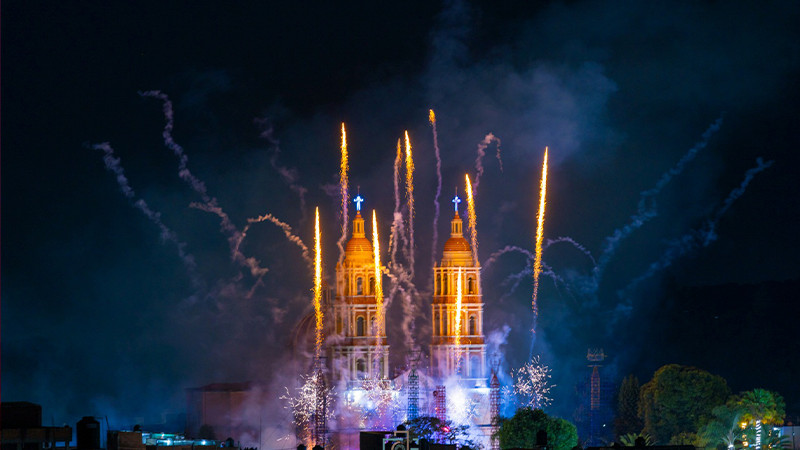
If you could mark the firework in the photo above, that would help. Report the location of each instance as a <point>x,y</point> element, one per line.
<point>410,200</point>
<point>317,287</point>
<point>344,194</point>
<point>378,280</point>
<point>532,383</point>
<point>459,298</point>
<point>304,404</point>
<point>537,264</point>
<point>473,230</point>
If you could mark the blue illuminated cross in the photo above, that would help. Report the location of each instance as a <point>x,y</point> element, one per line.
<point>456,201</point>
<point>358,201</point>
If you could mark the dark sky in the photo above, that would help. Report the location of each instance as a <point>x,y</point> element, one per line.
<point>100,315</point>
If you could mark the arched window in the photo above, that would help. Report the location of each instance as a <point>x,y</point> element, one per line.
<point>436,319</point>
<point>372,327</point>
<point>438,284</point>
<point>444,325</point>
<point>445,280</point>
<point>470,285</point>
<point>372,285</point>
<point>361,369</point>
<point>472,329</point>
<point>474,366</point>
<point>360,326</point>
<point>338,325</point>
<point>359,286</point>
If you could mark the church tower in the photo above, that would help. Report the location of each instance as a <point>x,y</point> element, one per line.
<point>357,353</point>
<point>452,352</point>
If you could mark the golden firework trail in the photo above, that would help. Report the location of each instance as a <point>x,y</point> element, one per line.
<point>459,298</point>
<point>537,263</point>
<point>431,117</point>
<point>317,288</point>
<point>343,181</point>
<point>378,280</point>
<point>473,222</point>
<point>410,199</point>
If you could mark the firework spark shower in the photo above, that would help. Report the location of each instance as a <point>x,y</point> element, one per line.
<point>219,297</point>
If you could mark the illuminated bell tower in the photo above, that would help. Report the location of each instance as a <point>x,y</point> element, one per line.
<point>468,358</point>
<point>357,352</point>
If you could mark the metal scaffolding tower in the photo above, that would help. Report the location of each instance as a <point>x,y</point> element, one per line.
<point>320,410</point>
<point>413,388</point>
<point>440,402</point>
<point>494,400</point>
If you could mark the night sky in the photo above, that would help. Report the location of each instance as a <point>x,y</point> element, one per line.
<point>102,316</point>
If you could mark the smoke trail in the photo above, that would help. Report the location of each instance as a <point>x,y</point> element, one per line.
<point>479,159</point>
<point>198,186</point>
<point>251,263</point>
<point>287,231</point>
<point>289,175</point>
<point>507,249</point>
<point>646,209</point>
<point>397,217</point>
<point>410,200</point>
<point>701,237</point>
<point>113,165</point>
<point>575,244</point>
<point>345,195</point>
<point>434,244</point>
<point>537,264</point>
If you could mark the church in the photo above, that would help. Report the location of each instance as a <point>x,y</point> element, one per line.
<point>450,383</point>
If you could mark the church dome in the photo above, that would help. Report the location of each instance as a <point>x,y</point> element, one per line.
<point>457,244</point>
<point>357,245</point>
<point>359,248</point>
<point>457,251</point>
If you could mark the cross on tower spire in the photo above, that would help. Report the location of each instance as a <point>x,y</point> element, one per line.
<point>358,200</point>
<point>456,201</point>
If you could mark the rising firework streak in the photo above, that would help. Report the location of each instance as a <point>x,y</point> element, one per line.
<point>537,264</point>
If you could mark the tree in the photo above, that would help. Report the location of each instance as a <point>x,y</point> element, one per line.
<point>679,399</point>
<point>723,430</point>
<point>759,404</point>
<point>433,429</point>
<point>520,431</point>
<point>628,421</point>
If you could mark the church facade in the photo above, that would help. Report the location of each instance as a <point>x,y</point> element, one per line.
<point>358,350</point>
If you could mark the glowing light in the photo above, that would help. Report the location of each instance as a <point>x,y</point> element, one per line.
<point>431,117</point>
<point>304,403</point>
<point>410,200</point>
<point>473,225</point>
<point>376,248</point>
<point>537,263</point>
<point>459,298</point>
<point>343,182</point>
<point>317,287</point>
<point>532,383</point>
<point>375,402</point>
<point>358,201</point>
